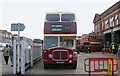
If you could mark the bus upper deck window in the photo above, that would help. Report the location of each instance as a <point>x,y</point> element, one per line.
<point>53,17</point>
<point>67,17</point>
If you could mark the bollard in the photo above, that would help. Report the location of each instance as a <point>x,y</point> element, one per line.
<point>109,72</point>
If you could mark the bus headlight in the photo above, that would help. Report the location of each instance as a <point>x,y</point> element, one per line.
<point>50,56</point>
<point>70,56</point>
<point>44,51</point>
<point>70,61</point>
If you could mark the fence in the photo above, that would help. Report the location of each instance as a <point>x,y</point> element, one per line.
<point>25,57</point>
<point>92,65</point>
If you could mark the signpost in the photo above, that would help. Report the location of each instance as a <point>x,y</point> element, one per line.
<point>14,57</point>
<point>18,27</point>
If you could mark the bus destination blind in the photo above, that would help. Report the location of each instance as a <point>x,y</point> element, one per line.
<point>60,28</point>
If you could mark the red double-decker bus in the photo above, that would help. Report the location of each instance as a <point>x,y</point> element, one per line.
<point>60,31</point>
<point>78,38</point>
<point>95,42</point>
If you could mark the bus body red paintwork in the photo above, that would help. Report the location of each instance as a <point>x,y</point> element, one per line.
<point>48,31</point>
<point>65,57</point>
<point>95,42</point>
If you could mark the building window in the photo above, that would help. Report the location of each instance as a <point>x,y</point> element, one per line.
<point>0,34</point>
<point>95,28</point>
<point>102,26</point>
<point>6,34</point>
<point>3,34</point>
<point>10,36</point>
<point>98,27</point>
<point>112,22</point>
<point>116,20</point>
<point>106,24</point>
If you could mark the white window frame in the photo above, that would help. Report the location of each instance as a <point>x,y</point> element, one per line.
<point>98,25</point>
<point>6,34</point>
<point>116,20</point>
<point>106,24</point>
<point>112,22</point>
<point>10,36</point>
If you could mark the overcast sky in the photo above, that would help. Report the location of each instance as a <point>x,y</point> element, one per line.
<point>32,14</point>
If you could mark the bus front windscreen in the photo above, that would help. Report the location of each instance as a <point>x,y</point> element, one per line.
<point>50,42</point>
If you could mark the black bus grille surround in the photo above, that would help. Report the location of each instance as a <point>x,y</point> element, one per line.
<point>60,55</point>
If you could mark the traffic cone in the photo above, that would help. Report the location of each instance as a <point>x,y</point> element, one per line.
<point>109,72</point>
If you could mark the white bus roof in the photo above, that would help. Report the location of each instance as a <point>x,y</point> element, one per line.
<point>61,12</point>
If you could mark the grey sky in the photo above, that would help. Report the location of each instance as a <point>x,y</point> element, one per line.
<point>32,13</point>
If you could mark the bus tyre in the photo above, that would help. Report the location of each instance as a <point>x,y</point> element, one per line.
<point>45,66</point>
<point>74,65</point>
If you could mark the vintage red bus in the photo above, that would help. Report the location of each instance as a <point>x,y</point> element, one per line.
<point>60,31</point>
<point>78,38</point>
<point>95,42</point>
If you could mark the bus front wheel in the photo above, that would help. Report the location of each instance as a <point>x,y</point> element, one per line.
<point>74,65</point>
<point>45,66</point>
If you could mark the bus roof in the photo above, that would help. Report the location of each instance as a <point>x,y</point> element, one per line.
<point>78,36</point>
<point>59,17</point>
<point>61,12</point>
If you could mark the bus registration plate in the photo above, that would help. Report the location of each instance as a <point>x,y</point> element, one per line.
<point>60,62</point>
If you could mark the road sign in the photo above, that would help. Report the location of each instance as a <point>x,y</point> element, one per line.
<point>14,27</point>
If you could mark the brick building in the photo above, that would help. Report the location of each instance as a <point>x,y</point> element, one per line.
<point>5,37</point>
<point>107,24</point>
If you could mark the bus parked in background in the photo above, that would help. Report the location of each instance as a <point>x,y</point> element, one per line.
<point>78,40</point>
<point>95,42</point>
<point>60,31</point>
<point>38,41</point>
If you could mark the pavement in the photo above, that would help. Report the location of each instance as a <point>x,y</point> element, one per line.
<point>38,67</point>
<point>0,63</point>
<point>119,64</point>
<point>5,69</point>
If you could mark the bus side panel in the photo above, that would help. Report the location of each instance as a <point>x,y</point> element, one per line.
<point>95,48</point>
